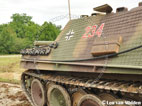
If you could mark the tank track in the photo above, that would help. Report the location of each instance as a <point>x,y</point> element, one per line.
<point>129,87</point>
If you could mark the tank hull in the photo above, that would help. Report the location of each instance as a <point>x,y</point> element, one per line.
<point>93,60</point>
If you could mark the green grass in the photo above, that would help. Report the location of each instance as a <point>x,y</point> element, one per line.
<point>10,70</point>
<point>13,81</point>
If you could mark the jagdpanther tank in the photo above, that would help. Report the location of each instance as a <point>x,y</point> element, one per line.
<point>95,61</point>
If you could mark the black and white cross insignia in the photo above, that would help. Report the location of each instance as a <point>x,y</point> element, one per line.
<point>69,34</point>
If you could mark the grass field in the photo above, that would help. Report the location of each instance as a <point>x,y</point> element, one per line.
<point>10,70</point>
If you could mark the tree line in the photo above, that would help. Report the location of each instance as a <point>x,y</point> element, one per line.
<point>21,32</point>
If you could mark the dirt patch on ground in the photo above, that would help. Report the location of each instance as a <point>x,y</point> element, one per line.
<point>12,95</point>
<point>11,75</point>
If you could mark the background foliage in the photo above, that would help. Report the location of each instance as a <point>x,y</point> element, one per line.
<point>21,32</point>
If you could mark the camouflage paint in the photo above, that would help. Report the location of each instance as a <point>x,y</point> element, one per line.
<point>127,24</point>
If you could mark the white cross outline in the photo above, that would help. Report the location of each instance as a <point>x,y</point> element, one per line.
<point>69,34</point>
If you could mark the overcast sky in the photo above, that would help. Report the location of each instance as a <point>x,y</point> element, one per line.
<point>47,10</point>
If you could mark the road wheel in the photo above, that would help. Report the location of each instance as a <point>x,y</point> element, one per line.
<point>38,93</point>
<point>90,100</point>
<point>58,96</point>
<point>77,95</point>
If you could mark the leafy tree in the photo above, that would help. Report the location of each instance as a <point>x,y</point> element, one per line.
<point>6,40</point>
<point>32,30</point>
<point>22,31</point>
<point>49,31</point>
<point>21,18</point>
<point>19,23</point>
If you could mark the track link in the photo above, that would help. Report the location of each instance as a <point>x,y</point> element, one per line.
<point>133,88</point>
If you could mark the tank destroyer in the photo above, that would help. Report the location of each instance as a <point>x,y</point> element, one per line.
<point>95,61</point>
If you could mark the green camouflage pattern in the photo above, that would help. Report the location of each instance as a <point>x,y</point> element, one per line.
<point>127,24</point>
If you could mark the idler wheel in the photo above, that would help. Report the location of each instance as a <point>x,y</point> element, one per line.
<point>90,100</point>
<point>38,93</point>
<point>58,96</point>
